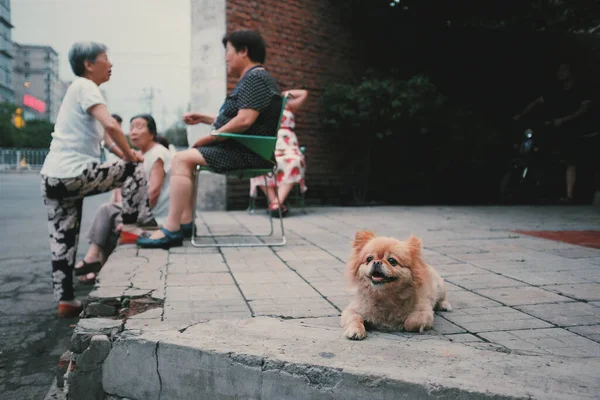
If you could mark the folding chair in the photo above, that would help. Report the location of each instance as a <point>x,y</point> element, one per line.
<point>264,146</point>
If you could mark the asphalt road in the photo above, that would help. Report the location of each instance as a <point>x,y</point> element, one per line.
<point>32,338</point>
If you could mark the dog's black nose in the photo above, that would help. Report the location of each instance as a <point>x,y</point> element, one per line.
<point>376,264</point>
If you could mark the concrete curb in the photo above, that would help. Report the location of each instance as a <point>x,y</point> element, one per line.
<point>267,358</point>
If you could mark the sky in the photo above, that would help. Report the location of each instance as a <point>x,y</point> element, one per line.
<point>148,44</point>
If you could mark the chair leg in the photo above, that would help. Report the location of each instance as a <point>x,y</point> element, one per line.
<point>196,177</point>
<point>201,245</point>
<point>251,205</point>
<point>280,214</point>
<point>302,200</point>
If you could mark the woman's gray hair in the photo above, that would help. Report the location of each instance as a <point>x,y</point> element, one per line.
<point>82,51</point>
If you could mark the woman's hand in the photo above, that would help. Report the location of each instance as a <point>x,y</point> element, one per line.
<point>134,156</point>
<point>193,118</point>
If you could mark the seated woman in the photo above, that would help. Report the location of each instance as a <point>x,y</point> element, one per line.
<point>157,167</point>
<point>252,108</point>
<point>290,160</point>
<point>72,168</point>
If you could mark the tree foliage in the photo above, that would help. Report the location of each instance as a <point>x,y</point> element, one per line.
<point>35,133</point>
<point>373,109</point>
<point>380,106</point>
<point>581,16</point>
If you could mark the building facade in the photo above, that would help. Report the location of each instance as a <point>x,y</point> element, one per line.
<point>36,81</point>
<point>7,93</point>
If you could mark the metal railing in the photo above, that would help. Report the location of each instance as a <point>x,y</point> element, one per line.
<point>30,159</point>
<point>19,159</point>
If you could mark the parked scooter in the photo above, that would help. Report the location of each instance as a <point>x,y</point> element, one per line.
<point>535,172</point>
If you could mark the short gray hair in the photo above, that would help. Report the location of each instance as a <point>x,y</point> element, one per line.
<point>82,51</point>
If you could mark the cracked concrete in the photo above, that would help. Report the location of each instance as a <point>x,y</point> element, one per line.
<point>262,323</point>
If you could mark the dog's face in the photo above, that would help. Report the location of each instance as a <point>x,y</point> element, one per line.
<point>383,262</point>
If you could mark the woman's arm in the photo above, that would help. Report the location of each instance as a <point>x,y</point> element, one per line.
<point>583,108</point>
<point>112,147</point>
<point>113,130</point>
<point>157,177</point>
<point>297,99</point>
<point>241,122</point>
<point>193,118</point>
<point>530,106</point>
<point>238,124</point>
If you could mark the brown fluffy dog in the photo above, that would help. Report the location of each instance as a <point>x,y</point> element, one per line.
<point>395,289</point>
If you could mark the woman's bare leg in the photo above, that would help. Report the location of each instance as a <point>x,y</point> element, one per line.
<point>283,191</point>
<point>182,184</point>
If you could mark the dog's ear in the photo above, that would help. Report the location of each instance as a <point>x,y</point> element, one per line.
<point>414,247</point>
<point>361,239</point>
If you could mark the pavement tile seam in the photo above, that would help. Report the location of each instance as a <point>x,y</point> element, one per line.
<point>519,310</point>
<point>569,328</point>
<point>323,249</point>
<point>307,282</point>
<point>542,287</point>
<point>236,283</point>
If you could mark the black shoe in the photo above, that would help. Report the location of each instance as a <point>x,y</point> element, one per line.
<point>187,229</point>
<point>150,224</point>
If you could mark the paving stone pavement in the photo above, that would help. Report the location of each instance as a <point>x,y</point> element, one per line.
<point>520,292</point>
<point>510,292</point>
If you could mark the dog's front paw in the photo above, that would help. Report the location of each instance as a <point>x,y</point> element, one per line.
<point>355,332</point>
<point>419,321</point>
<point>444,306</point>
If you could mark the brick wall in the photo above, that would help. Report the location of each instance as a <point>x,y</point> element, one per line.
<point>307,47</point>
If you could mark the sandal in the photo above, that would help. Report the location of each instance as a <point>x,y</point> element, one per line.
<point>88,267</point>
<point>86,280</point>
<point>148,225</point>
<point>274,210</point>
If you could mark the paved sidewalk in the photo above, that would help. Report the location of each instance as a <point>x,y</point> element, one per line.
<point>520,304</point>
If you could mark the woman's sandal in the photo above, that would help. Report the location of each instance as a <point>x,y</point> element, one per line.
<point>93,267</point>
<point>88,279</point>
<point>274,210</point>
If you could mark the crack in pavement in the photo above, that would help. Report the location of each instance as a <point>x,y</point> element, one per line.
<point>158,370</point>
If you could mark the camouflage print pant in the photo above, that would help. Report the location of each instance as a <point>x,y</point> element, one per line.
<point>64,201</point>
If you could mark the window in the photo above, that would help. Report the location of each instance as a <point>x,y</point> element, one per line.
<point>26,64</point>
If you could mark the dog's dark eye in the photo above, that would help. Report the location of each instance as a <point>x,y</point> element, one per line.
<point>369,259</point>
<point>392,261</point>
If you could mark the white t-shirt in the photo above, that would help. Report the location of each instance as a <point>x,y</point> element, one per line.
<point>77,134</point>
<point>161,208</point>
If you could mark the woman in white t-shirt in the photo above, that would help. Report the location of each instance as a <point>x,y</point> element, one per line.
<point>72,169</point>
<point>157,167</point>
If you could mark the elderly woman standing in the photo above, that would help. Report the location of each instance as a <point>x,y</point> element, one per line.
<point>252,108</point>
<point>72,169</point>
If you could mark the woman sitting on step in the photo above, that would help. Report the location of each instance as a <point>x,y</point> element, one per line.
<point>103,234</point>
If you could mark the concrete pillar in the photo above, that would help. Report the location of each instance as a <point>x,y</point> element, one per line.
<point>209,86</point>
